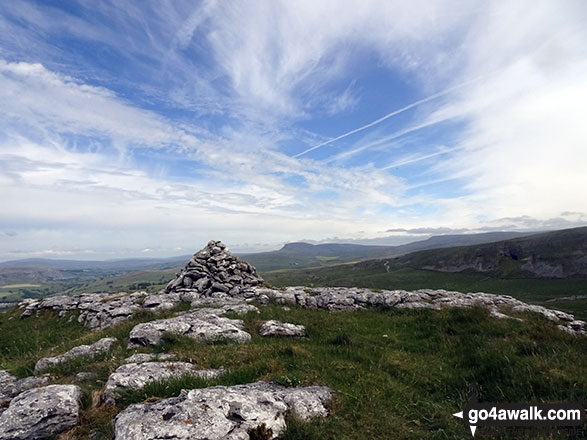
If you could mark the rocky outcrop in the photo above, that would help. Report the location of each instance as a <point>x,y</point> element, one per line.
<point>88,351</point>
<point>214,270</point>
<point>10,387</point>
<point>203,325</point>
<point>344,298</point>
<point>136,376</point>
<point>41,413</point>
<point>216,413</point>
<point>97,310</point>
<point>276,328</point>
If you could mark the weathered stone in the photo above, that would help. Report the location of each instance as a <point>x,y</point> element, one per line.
<point>202,284</point>
<point>276,328</point>
<point>201,325</point>
<point>139,358</point>
<point>214,270</point>
<point>136,376</point>
<point>97,310</point>
<point>217,287</point>
<point>82,376</point>
<point>344,298</point>
<point>11,387</point>
<point>220,413</point>
<point>41,413</point>
<point>101,346</point>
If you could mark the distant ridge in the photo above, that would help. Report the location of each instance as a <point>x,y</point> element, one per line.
<point>302,255</point>
<point>558,254</point>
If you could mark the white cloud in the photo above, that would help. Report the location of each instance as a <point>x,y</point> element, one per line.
<point>524,150</point>
<point>68,145</point>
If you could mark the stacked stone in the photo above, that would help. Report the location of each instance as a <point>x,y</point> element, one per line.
<point>215,270</point>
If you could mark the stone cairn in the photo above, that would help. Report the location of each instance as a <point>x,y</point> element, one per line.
<point>214,269</point>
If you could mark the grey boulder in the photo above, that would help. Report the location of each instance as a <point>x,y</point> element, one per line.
<point>11,387</point>
<point>139,358</point>
<point>41,413</point>
<point>276,328</point>
<point>220,413</point>
<point>201,325</point>
<point>136,376</point>
<point>102,346</point>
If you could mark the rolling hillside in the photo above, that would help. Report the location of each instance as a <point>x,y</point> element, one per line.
<point>301,255</point>
<point>559,254</point>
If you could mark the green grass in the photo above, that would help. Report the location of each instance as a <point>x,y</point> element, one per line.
<point>18,286</point>
<point>396,374</point>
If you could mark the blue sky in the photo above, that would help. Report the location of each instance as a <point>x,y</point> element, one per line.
<point>147,128</point>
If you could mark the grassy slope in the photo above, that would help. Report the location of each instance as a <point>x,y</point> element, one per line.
<point>505,259</point>
<point>403,385</point>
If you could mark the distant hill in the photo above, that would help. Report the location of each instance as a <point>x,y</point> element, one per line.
<point>302,255</point>
<point>122,265</point>
<point>559,254</point>
<point>41,277</point>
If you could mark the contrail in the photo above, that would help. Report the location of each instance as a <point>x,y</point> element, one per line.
<point>413,159</point>
<point>393,113</point>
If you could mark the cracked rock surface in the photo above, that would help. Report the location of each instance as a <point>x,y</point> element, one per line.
<point>41,413</point>
<point>136,376</point>
<point>11,387</point>
<point>97,310</point>
<point>217,413</point>
<point>139,358</point>
<point>201,325</point>
<point>102,346</point>
<point>276,328</point>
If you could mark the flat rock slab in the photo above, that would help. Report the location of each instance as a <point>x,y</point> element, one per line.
<point>220,413</point>
<point>10,387</point>
<point>201,325</point>
<point>136,376</point>
<point>139,358</point>
<point>102,346</point>
<point>41,413</point>
<point>276,328</point>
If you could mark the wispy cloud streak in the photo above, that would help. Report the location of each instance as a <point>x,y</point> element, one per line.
<point>392,114</point>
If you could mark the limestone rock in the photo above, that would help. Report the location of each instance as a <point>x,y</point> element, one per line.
<point>41,413</point>
<point>99,310</point>
<point>220,413</point>
<point>136,376</point>
<point>345,298</point>
<point>139,358</point>
<point>11,387</point>
<point>85,375</point>
<point>276,328</point>
<point>102,346</point>
<point>201,325</point>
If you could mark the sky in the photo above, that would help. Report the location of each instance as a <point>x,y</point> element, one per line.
<point>145,129</point>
